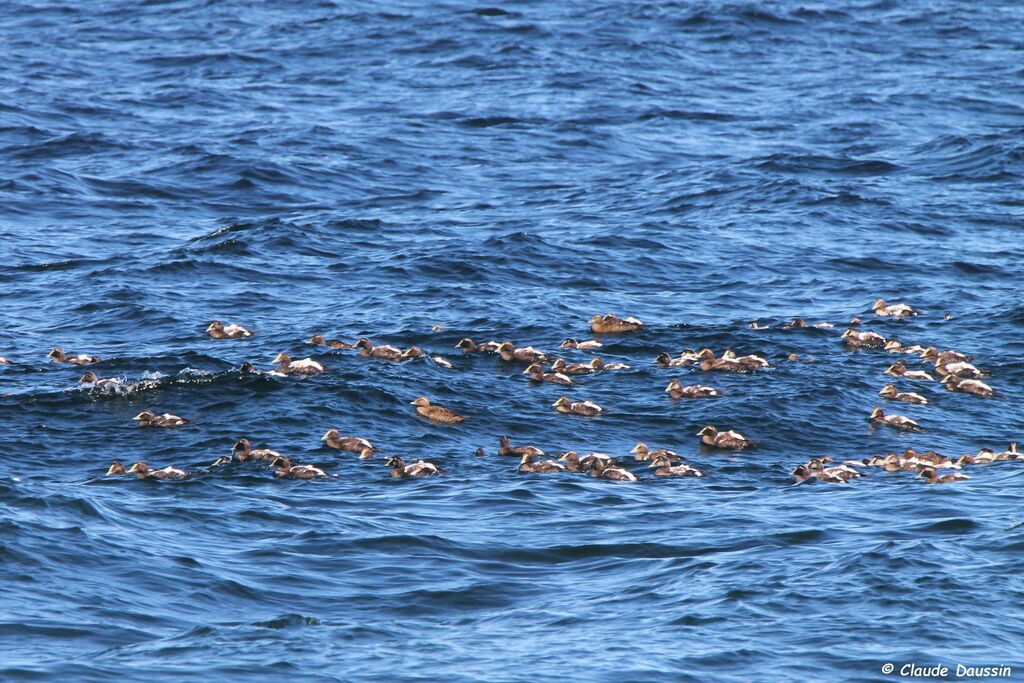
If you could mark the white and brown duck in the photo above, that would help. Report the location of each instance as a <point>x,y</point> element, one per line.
<point>604,470</point>
<point>147,418</point>
<point>58,356</point>
<point>469,346</point>
<point>930,476</point>
<point>901,422</point>
<point>572,368</point>
<point>884,310</point>
<point>218,330</point>
<point>507,448</point>
<point>527,464</point>
<point>304,366</point>
<point>537,374</point>
<point>527,354</point>
<point>565,405</point>
<point>91,378</point>
<point>968,386</point>
<point>368,350</point>
<point>142,470</point>
<point>285,470</point>
<point>863,340</point>
<point>733,441</point>
<point>890,392</point>
<point>675,389</point>
<point>899,369</point>
<point>319,340</point>
<point>641,452</point>
<point>420,468</point>
<point>352,444</point>
<point>244,452</point>
<point>576,463</point>
<point>572,343</point>
<point>663,467</point>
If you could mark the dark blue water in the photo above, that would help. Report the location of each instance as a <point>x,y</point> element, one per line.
<point>505,171</point>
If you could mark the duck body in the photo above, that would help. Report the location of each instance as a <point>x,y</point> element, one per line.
<point>932,477</point>
<point>567,406</point>
<point>305,366</point>
<point>469,346</point>
<point>436,413</point>
<point>537,374</point>
<point>58,356</point>
<point>900,422</point>
<point>863,340</point>
<point>899,369</point>
<point>641,452</point>
<point>528,354</point>
<point>889,391</point>
<point>218,330</point>
<point>666,361</point>
<point>590,345</point>
<point>883,310</point>
<point>285,470</point>
<point>969,386</point>
<point>604,470</point>
<point>517,451</point>
<point>613,324</point>
<point>244,452</point>
<point>368,350</point>
<point>318,340</point>
<point>420,468</point>
<point>351,444</point>
<point>148,418</point>
<point>663,467</point>
<point>144,472</point>
<point>733,441</point>
<point>561,367</point>
<point>961,369</point>
<point>675,389</point>
<point>528,465</point>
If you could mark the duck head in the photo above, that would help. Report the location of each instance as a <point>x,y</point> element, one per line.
<point>57,354</point>
<point>140,468</point>
<point>215,326</point>
<point>331,435</point>
<point>596,364</point>
<point>674,385</point>
<point>411,352</point>
<point>569,343</point>
<point>640,448</point>
<point>563,404</point>
<point>145,417</point>
<point>879,305</point>
<point>242,446</point>
<point>706,354</point>
<point>88,378</point>
<point>558,365</point>
<point>877,413</point>
<point>534,369</point>
<point>709,430</point>
<point>466,344</point>
<point>317,339</point>
<point>422,402</point>
<point>364,344</point>
<point>282,358</point>
<point>888,391</point>
<point>116,467</point>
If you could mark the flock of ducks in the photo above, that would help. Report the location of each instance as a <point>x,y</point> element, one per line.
<point>954,369</point>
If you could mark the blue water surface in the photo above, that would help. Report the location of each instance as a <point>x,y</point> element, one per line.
<point>504,171</point>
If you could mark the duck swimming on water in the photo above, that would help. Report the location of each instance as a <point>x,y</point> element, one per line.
<point>571,343</point>
<point>900,422</point>
<point>318,340</point>
<point>613,324</point>
<point>436,413</point>
<point>368,350</point>
<point>969,386</point>
<point>894,311</point>
<point>218,330</point>
<point>286,366</point>
<point>142,470</point>
<point>58,356</point>
<point>537,374</point>
<point>565,405</point>
<point>147,418</point>
<point>675,389</point>
<point>353,444</point>
<point>420,468</point>
<point>889,391</point>
<point>733,441</point>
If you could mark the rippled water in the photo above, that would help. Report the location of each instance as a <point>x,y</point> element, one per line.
<point>505,171</point>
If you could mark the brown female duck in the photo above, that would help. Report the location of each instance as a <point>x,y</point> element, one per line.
<point>517,451</point>
<point>147,418</point>
<point>436,413</point>
<point>732,441</point>
<point>567,406</point>
<point>218,330</point>
<point>352,444</point>
<point>368,350</point>
<point>900,422</point>
<point>318,340</point>
<point>58,356</point>
<point>675,389</point>
<point>889,391</point>
<point>613,324</point>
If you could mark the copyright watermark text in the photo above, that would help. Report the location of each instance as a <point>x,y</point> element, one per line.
<point>957,671</point>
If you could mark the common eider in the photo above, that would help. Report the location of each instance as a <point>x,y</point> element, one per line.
<point>889,391</point>
<point>932,477</point>
<point>571,343</point>
<point>142,470</point>
<point>244,452</point>
<point>218,330</point>
<point>58,356</point>
<point>517,451</point>
<point>675,389</point>
<point>285,470</point>
<point>663,467</point>
<point>287,366</point>
<point>612,324</point>
<point>318,340</point>
<point>641,452</point>
<point>901,422</point>
<point>603,470</point>
<point>420,468</point>
<point>566,405</point>
<point>733,441</point>
<point>899,369</point>
<point>147,418</point>
<point>968,386</point>
<point>894,311</point>
<point>528,464</point>
<point>537,374</point>
<point>528,354</point>
<point>436,413</point>
<point>379,352</point>
<point>353,444</point>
